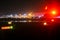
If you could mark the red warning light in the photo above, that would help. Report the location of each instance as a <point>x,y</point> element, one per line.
<point>53,12</point>
<point>46,8</point>
<point>52,20</point>
<point>45,23</point>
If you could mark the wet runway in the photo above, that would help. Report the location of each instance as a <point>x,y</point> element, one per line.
<point>31,30</point>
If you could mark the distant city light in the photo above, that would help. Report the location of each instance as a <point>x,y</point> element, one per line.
<point>29,14</point>
<point>45,23</point>
<point>39,16</point>
<point>24,14</point>
<point>29,20</point>
<point>6,27</point>
<point>10,22</point>
<point>24,21</point>
<point>11,27</point>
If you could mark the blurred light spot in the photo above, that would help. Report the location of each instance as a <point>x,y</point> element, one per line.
<point>29,21</point>
<point>46,8</point>
<point>39,16</point>
<point>23,21</point>
<point>53,12</point>
<point>10,22</point>
<point>11,27</point>
<point>52,20</point>
<point>45,23</point>
<point>6,27</point>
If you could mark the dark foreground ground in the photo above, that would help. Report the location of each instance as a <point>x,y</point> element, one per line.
<point>31,31</point>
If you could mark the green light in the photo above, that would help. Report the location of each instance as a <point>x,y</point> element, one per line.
<point>11,27</point>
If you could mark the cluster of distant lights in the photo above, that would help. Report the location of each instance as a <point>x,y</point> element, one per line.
<point>30,15</point>
<point>45,23</point>
<point>7,27</point>
<point>11,27</point>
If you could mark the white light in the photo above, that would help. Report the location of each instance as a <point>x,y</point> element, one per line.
<point>45,23</point>
<point>9,22</point>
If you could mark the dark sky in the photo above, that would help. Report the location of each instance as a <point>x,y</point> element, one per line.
<point>23,5</point>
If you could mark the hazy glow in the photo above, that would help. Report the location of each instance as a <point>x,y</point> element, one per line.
<point>52,20</point>
<point>9,22</point>
<point>29,21</point>
<point>45,23</point>
<point>57,17</point>
<point>7,27</point>
<point>53,12</point>
<point>46,8</point>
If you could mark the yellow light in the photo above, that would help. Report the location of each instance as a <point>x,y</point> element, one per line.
<point>11,27</point>
<point>9,22</point>
<point>45,23</point>
<point>7,27</point>
<point>29,21</point>
<point>29,14</point>
<point>53,12</point>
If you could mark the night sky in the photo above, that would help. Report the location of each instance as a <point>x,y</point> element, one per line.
<point>22,5</point>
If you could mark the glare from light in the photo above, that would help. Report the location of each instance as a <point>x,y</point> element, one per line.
<point>53,12</point>
<point>24,14</point>
<point>6,27</point>
<point>11,27</point>
<point>39,16</point>
<point>10,22</point>
<point>29,14</point>
<point>52,20</point>
<point>23,21</point>
<point>45,23</point>
<point>29,21</point>
<point>46,8</point>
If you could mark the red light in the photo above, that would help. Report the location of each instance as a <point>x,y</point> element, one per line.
<point>45,23</point>
<point>53,12</point>
<point>52,20</point>
<point>46,8</point>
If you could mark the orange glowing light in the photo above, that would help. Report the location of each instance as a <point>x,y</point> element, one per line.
<point>7,27</point>
<point>53,12</point>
